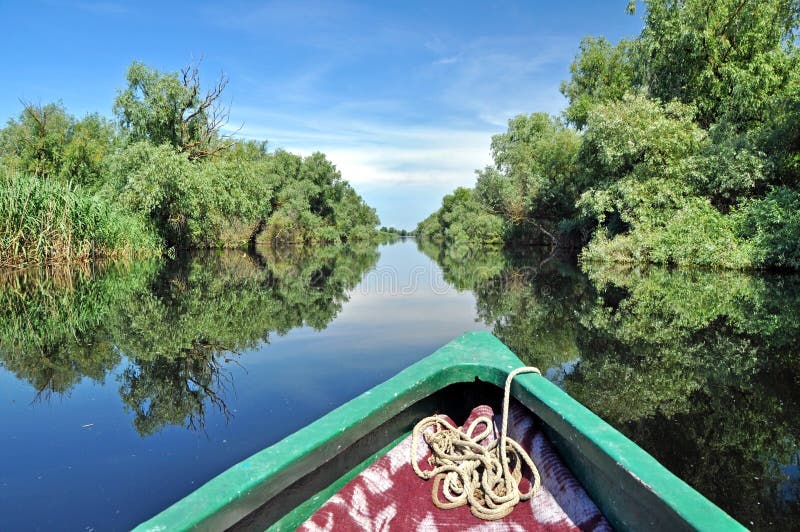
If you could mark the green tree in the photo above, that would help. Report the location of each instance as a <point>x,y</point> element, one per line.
<point>730,167</point>
<point>159,183</point>
<point>772,225</point>
<point>84,156</point>
<point>34,143</point>
<point>532,188</point>
<point>462,219</point>
<point>600,72</point>
<point>641,154</point>
<point>47,142</point>
<point>780,136</point>
<point>312,203</point>
<point>735,55</point>
<point>172,108</point>
<point>535,181</point>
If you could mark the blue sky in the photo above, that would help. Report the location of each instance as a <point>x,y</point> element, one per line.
<point>403,96</point>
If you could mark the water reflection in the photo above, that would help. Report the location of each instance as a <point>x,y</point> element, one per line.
<point>529,300</point>
<point>176,325</point>
<point>698,367</point>
<point>701,367</point>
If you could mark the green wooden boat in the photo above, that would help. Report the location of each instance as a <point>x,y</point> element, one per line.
<point>281,486</point>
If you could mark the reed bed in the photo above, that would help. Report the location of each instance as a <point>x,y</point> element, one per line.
<point>50,222</point>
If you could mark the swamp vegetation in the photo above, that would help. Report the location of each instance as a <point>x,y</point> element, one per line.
<point>163,176</point>
<point>680,146</point>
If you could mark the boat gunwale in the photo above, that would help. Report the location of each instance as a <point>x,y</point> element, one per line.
<point>578,433</point>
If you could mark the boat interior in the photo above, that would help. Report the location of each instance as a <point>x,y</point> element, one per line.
<point>287,510</point>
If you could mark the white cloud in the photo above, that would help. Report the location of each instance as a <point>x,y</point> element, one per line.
<point>439,136</point>
<point>372,153</point>
<point>440,164</point>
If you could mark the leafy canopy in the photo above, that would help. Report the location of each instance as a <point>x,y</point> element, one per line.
<point>171,108</point>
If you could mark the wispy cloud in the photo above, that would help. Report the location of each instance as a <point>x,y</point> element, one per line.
<point>494,79</point>
<point>401,106</point>
<point>379,153</point>
<point>446,60</point>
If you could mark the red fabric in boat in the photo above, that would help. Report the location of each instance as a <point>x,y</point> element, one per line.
<point>388,495</point>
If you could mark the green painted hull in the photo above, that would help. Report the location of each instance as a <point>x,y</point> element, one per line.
<point>283,484</point>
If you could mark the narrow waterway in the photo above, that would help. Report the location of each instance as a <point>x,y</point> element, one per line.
<point>125,387</point>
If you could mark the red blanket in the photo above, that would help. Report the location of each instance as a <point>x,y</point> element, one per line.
<point>388,495</point>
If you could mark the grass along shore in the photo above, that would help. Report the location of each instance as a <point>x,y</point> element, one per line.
<point>49,222</point>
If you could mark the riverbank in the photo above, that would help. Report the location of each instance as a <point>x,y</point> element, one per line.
<point>162,176</point>
<point>689,163</point>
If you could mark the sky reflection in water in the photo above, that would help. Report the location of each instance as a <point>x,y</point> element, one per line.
<point>122,389</point>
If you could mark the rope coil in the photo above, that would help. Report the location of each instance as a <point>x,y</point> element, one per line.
<point>486,477</point>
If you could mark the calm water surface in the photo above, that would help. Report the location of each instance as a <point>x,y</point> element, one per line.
<point>126,387</point>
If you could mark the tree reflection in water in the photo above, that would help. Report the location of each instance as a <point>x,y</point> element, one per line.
<point>698,367</point>
<point>178,324</point>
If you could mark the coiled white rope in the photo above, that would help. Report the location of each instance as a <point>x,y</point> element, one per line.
<point>486,477</point>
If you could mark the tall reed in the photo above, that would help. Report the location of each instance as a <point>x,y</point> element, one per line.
<point>49,222</point>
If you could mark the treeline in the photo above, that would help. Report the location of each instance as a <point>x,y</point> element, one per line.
<point>681,146</point>
<point>394,231</point>
<point>163,175</point>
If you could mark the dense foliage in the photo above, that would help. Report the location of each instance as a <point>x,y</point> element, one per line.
<point>680,146</point>
<point>163,175</point>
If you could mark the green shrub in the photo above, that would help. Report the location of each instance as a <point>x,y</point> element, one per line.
<point>772,224</point>
<point>695,235</point>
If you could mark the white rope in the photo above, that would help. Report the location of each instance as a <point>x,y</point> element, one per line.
<point>470,473</point>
